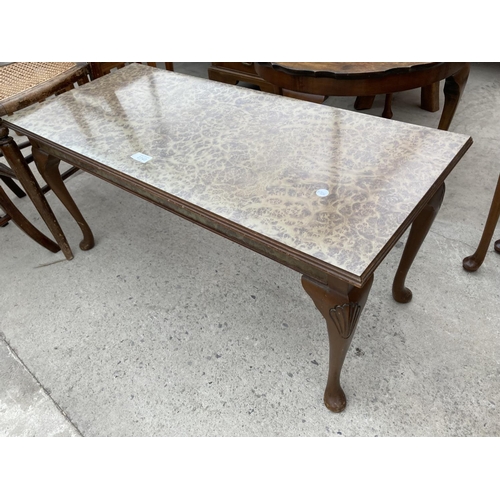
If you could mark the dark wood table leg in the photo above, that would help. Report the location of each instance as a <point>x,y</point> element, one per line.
<point>23,173</point>
<point>429,97</point>
<point>453,90</point>
<point>473,262</point>
<point>387,113</point>
<point>48,166</point>
<point>341,305</point>
<point>24,224</point>
<point>364,102</point>
<point>418,232</point>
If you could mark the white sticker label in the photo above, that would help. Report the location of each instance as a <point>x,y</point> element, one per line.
<point>141,157</point>
<point>322,192</point>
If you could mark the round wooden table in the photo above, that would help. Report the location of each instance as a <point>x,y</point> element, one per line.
<point>365,80</point>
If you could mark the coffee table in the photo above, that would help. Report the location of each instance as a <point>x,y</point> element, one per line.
<point>365,80</point>
<point>324,191</point>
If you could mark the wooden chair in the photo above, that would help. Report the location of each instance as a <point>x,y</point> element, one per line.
<point>21,85</point>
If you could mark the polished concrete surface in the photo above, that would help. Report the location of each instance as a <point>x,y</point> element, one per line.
<point>165,329</point>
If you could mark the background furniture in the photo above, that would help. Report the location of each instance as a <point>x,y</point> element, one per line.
<point>8,176</point>
<point>473,262</point>
<point>364,80</point>
<point>23,84</point>
<point>235,72</point>
<point>24,224</point>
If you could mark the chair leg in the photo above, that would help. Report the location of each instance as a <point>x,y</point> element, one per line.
<point>30,185</point>
<point>13,186</point>
<point>5,220</point>
<point>24,224</point>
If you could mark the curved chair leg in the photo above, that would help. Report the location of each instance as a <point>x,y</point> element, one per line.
<point>473,262</point>
<point>13,186</point>
<point>23,173</point>
<point>48,166</point>
<point>24,224</point>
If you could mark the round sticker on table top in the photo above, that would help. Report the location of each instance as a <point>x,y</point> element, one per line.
<point>322,192</point>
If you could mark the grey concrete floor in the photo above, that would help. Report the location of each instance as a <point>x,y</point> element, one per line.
<point>165,329</point>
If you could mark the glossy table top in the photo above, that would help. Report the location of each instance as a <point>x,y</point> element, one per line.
<point>330,184</point>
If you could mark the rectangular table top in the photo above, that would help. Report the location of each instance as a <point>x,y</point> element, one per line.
<point>330,186</point>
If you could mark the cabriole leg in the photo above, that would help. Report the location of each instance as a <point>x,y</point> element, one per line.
<point>341,305</point>
<point>418,232</point>
<point>473,262</point>
<point>48,166</point>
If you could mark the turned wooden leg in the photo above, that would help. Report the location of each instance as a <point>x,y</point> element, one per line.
<point>473,262</point>
<point>48,166</point>
<point>341,305</point>
<point>24,224</point>
<point>453,89</point>
<point>23,173</point>
<point>387,113</point>
<point>418,232</point>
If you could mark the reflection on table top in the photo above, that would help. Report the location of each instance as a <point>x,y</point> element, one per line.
<point>332,184</point>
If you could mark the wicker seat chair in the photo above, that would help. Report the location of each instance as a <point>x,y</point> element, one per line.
<point>21,85</point>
